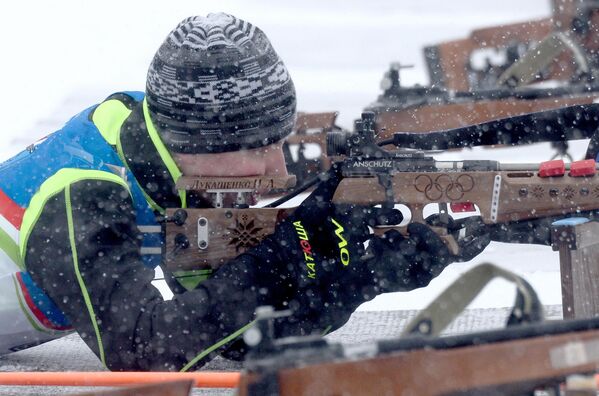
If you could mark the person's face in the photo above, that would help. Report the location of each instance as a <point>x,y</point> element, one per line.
<point>263,161</point>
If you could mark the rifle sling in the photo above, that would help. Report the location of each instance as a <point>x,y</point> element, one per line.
<point>433,319</point>
<point>557,125</point>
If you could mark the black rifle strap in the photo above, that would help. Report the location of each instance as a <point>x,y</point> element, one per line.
<point>568,123</point>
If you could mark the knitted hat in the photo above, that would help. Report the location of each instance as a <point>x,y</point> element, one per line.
<point>216,84</point>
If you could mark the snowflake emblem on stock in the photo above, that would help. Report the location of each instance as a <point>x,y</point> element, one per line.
<point>245,234</point>
<point>538,192</point>
<point>569,192</point>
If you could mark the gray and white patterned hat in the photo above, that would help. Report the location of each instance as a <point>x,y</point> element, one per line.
<point>216,84</point>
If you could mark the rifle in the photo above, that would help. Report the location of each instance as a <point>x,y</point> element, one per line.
<point>499,193</point>
<point>463,92</point>
<point>517,360</point>
<point>558,48</point>
<point>425,109</point>
<point>555,48</point>
<point>433,110</point>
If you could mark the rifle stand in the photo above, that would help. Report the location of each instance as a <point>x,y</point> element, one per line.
<point>577,240</point>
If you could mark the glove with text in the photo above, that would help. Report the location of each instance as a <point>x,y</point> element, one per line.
<point>318,252</point>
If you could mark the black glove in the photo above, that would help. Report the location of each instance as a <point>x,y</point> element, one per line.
<point>326,239</point>
<point>470,233</point>
<point>318,251</point>
<point>402,263</point>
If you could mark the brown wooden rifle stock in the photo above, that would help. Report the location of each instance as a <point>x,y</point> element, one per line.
<point>503,193</point>
<point>221,234</point>
<point>514,361</point>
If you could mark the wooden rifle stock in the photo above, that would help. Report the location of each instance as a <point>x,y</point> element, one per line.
<point>512,361</point>
<point>502,196</point>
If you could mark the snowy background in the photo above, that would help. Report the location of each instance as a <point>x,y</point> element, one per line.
<point>60,57</point>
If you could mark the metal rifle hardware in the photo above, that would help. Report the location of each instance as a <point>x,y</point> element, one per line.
<point>180,240</point>
<point>179,217</point>
<point>268,354</point>
<point>362,145</point>
<point>203,233</point>
<point>181,243</point>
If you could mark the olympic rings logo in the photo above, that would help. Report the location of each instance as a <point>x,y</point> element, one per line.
<point>444,185</point>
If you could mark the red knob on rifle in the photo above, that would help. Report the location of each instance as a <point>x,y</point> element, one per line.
<point>552,168</point>
<point>583,168</point>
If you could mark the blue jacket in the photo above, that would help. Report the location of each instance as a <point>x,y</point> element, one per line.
<point>80,145</point>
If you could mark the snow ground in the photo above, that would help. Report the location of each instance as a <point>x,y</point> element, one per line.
<point>60,57</point>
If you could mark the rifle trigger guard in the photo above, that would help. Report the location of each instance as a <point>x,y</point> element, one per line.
<point>386,182</point>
